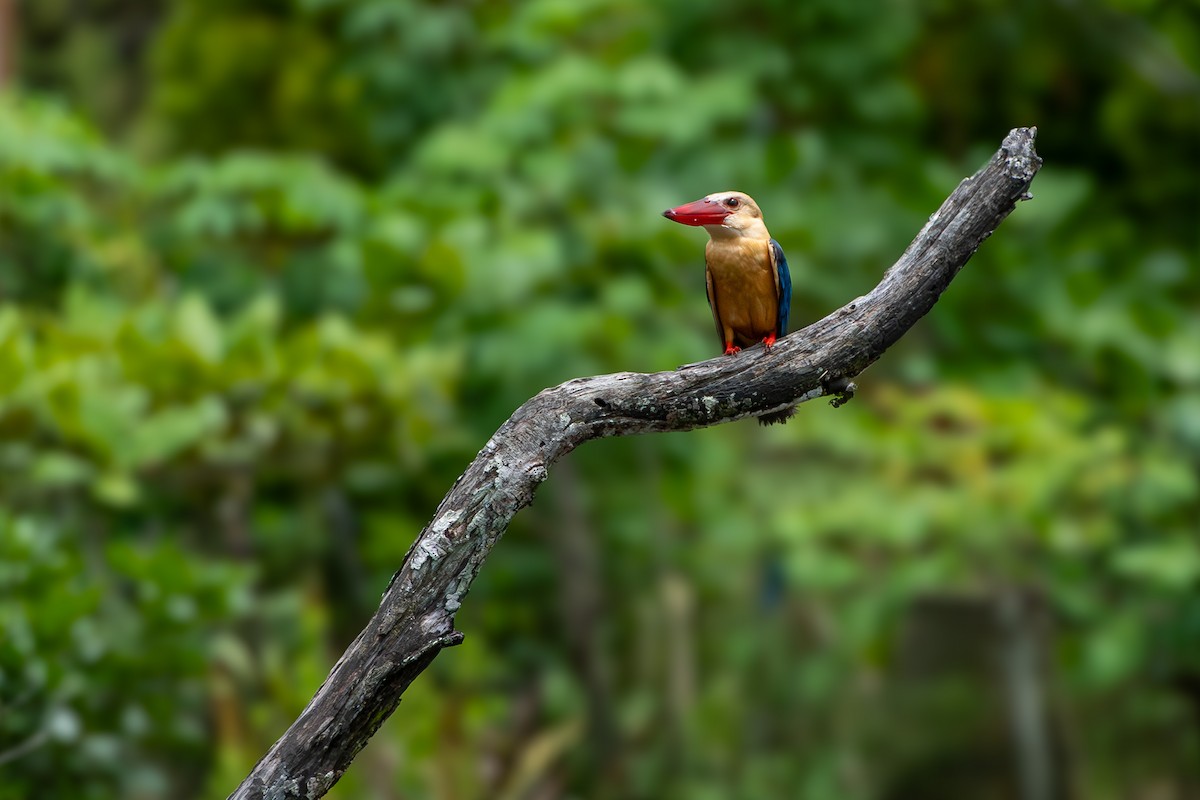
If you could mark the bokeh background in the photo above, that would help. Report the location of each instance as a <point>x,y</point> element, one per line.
<point>272,271</point>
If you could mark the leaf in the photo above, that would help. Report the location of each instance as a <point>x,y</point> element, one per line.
<point>199,329</point>
<point>1172,564</point>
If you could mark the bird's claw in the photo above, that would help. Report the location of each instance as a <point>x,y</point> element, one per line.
<point>732,349</point>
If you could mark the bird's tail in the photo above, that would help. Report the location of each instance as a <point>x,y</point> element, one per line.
<point>776,417</point>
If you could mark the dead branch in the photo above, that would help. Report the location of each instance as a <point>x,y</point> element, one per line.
<point>416,617</point>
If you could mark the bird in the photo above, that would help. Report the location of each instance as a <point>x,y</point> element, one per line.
<point>746,274</point>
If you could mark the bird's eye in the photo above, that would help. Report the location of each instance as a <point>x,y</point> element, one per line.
<point>732,202</point>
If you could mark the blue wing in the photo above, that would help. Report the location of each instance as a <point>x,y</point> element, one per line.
<point>785,286</point>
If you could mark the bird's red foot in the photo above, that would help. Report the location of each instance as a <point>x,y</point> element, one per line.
<point>731,349</point>
<point>768,342</point>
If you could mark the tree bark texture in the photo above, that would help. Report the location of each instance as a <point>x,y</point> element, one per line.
<point>415,619</point>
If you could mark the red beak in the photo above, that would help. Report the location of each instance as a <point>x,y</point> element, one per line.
<point>700,212</point>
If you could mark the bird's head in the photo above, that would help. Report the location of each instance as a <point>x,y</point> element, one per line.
<point>723,215</point>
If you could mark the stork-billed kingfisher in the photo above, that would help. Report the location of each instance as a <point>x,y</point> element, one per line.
<point>746,274</point>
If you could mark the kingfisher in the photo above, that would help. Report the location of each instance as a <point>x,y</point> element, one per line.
<point>746,274</point>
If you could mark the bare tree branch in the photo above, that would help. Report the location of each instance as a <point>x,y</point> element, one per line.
<point>416,617</point>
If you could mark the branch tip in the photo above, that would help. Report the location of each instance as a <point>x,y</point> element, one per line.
<point>840,386</point>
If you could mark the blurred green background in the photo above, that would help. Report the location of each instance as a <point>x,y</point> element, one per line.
<point>272,271</point>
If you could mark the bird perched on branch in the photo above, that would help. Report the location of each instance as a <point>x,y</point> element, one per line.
<point>745,271</point>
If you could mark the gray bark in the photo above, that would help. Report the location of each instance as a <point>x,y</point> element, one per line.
<point>415,619</point>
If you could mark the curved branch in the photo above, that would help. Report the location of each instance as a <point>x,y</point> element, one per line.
<point>416,617</point>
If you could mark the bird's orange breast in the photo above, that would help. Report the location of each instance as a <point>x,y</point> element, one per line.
<point>744,288</point>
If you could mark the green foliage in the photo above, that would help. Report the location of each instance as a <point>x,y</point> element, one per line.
<point>252,329</point>
<point>85,707</point>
